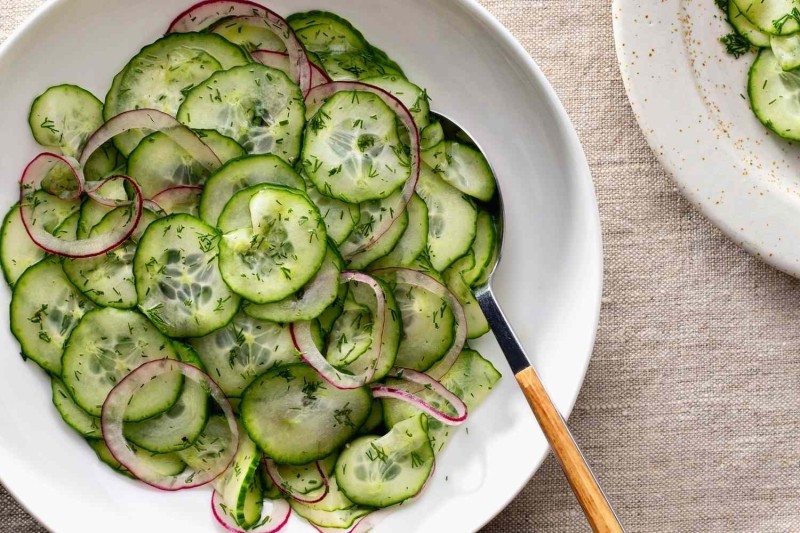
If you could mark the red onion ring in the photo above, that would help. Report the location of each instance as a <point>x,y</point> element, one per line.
<point>114,409</point>
<point>152,119</point>
<point>32,180</point>
<point>280,61</point>
<point>314,100</point>
<point>176,195</point>
<point>206,13</point>
<point>280,508</point>
<point>304,340</point>
<point>420,378</point>
<point>408,276</point>
<point>278,481</point>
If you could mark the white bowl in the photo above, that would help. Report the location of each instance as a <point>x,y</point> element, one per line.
<point>549,280</point>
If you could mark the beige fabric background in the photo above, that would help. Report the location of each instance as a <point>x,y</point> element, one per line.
<point>690,413</point>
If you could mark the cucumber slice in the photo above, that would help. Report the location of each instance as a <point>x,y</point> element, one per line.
<point>358,65</point>
<point>296,418</point>
<point>383,246</point>
<point>50,211</point>
<point>167,464</point>
<point>257,106</point>
<point>351,150</point>
<point>226,148</point>
<point>333,311</point>
<point>308,302</point>
<point>17,250</point>
<point>161,74</point>
<point>476,322</point>
<point>250,34</point>
<point>334,511</point>
<point>414,239</point>
<point>178,283</point>
<point>185,200</point>
<point>771,16</point>
<point>383,471</point>
<point>45,308</point>
<point>471,378</point>
<point>463,167</point>
<point>105,346</point>
<point>305,480</point>
<point>239,485</point>
<point>452,219</point>
<point>75,417</point>
<point>351,333</point>
<point>180,426</point>
<point>240,174</point>
<point>375,419</point>
<point>774,95</point>
<point>104,162</point>
<point>340,217</point>
<point>68,230</point>
<point>327,33</point>
<point>64,116</point>
<point>432,135</point>
<point>473,265</point>
<point>278,250</point>
<point>413,97</point>
<point>158,163</point>
<point>742,25</point>
<point>371,214</point>
<point>215,438</point>
<point>786,50</point>
<point>244,349</point>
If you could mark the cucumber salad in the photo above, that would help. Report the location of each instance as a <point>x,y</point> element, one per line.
<point>251,268</point>
<point>773,28</point>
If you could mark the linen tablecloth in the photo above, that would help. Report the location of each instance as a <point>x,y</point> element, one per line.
<point>690,413</point>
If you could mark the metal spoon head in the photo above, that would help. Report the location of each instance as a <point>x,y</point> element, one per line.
<point>454,132</point>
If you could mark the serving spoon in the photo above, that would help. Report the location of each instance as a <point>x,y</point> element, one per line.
<point>587,490</point>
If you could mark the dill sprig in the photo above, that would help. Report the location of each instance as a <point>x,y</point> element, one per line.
<point>736,44</point>
<point>794,14</point>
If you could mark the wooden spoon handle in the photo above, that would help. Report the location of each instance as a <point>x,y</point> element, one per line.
<point>588,492</point>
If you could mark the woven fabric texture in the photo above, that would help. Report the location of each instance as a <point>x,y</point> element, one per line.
<point>690,413</point>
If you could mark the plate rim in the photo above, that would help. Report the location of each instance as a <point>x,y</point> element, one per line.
<point>574,152</point>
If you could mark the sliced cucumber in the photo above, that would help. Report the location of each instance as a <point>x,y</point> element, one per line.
<point>178,283</point>
<point>333,311</point>
<point>452,219</point>
<point>105,346</point>
<point>93,212</point>
<point>215,438</point>
<point>413,97</point>
<point>476,322</point>
<point>75,417</point>
<point>239,484</point>
<point>351,149</point>
<point>45,308</point>
<point>351,333</point>
<point>775,95</point>
<point>310,301</point>
<point>296,417</point>
<point>257,106</point>
<point>414,239</point>
<point>185,200</point>
<point>104,162</point>
<point>275,250</point>
<point>226,148</point>
<point>786,50</point>
<point>340,217</point>
<point>305,480</point>
<point>166,464</point>
<point>327,33</point>
<point>17,250</point>
<point>240,174</point>
<point>383,246</point>
<point>473,265</point>
<point>251,34</point>
<point>162,73</point>
<point>64,116</point>
<point>432,135</point>
<point>371,215</point>
<point>742,25</point>
<point>334,511</point>
<point>770,16</point>
<point>471,378</point>
<point>382,471</point>
<point>244,349</point>
<point>463,167</point>
<point>68,229</point>
<point>375,420</point>
<point>49,211</point>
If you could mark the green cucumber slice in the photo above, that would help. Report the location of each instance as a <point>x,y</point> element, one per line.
<point>742,25</point>
<point>226,148</point>
<point>473,265</point>
<point>774,95</point>
<point>240,486</point>
<point>104,162</point>
<point>178,283</point>
<point>244,349</point>
<point>768,16</point>
<point>340,217</point>
<point>334,511</point>
<point>431,135</point>
<point>413,97</point>
<point>296,418</point>
<point>278,250</point>
<point>383,246</point>
<point>371,214</point>
<point>249,34</point>
<point>240,174</point>
<point>17,250</point>
<point>333,311</point>
<point>309,301</point>
<point>351,149</point>
<point>476,322</point>
<point>383,471</point>
<point>45,308</point>
<point>375,419</point>
<point>215,438</point>
<point>786,50</point>
<point>414,239</point>
<point>93,212</point>
<point>64,116</point>
<point>452,219</point>
<point>325,32</point>
<point>105,346</point>
<point>75,417</point>
<point>257,106</point>
<point>463,167</point>
<point>167,464</point>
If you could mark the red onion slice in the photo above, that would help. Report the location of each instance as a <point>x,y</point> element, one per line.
<point>203,14</point>
<point>114,409</point>
<point>277,479</point>
<point>280,61</point>
<point>32,181</point>
<point>276,521</point>
<point>420,378</point>
<point>317,96</point>
<point>416,278</point>
<point>304,340</point>
<point>152,119</point>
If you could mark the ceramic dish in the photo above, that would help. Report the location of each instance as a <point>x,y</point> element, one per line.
<point>549,280</point>
<point>690,99</point>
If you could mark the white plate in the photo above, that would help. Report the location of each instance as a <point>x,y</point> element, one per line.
<point>687,94</point>
<point>550,278</point>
